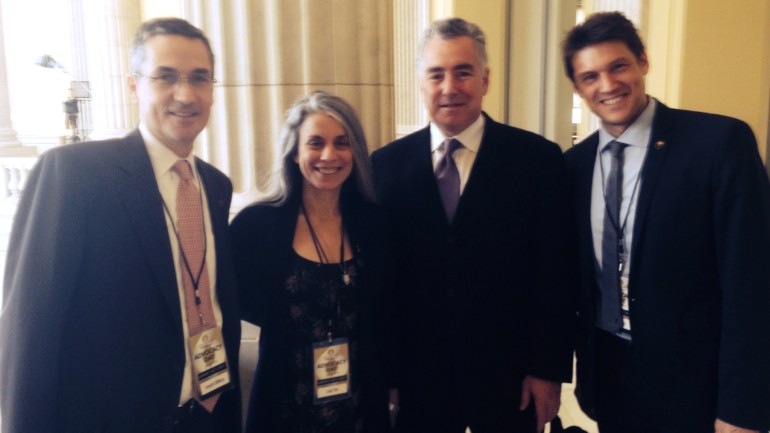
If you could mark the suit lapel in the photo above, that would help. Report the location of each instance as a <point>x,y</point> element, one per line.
<point>483,171</point>
<point>584,175</point>
<point>421,162</point>
<point>218,213</point>
<point>656,155</point>
<point>480,172</point>
<point>137,188</point>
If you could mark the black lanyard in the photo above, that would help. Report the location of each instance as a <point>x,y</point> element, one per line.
<point>195,280</point>
<point>324,260</point>
<point>620,230</point>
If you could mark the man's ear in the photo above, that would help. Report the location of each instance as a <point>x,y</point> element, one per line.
<point>485,80</point>
<point>643,63</point>
<point>131,85</point>
<point>576,89</point>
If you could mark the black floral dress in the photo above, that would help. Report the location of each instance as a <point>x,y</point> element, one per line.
<point>319,304</point>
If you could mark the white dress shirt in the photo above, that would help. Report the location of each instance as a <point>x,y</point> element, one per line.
<point>463,156</point>
<point>163,159</point>
<point>637,137</point>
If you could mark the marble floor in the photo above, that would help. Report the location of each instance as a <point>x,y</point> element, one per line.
<point>570,412</point>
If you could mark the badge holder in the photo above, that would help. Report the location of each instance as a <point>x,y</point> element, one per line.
<point>209,363</point>
<point>331,371</point>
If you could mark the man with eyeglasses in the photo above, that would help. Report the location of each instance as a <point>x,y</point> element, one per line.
<point>120,307</point>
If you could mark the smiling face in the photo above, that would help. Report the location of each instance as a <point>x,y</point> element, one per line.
<point>175,114</point>
<point>611,80</point>
<point>452,83</point>
<point>323,154</point>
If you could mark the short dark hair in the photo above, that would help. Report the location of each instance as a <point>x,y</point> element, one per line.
<point>164,26</point>
<point>452,28</point>
<point>599,28</point>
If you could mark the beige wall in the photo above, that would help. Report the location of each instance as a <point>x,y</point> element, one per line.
<point>726,61</point>
<point>160,8</point>
<point>713,56</point>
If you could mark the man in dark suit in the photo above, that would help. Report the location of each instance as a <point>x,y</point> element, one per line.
<point>673,214</point>
<point>120,309</point>
<point>482,255</point>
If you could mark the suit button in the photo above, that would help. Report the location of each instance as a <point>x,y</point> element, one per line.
<point>633,299</point>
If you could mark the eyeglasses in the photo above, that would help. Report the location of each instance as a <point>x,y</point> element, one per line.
<point>167,80</point>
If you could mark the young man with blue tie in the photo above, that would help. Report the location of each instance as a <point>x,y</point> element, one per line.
<point>673,215</point>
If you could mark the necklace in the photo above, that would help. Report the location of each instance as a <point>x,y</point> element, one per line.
<point>319,248</point>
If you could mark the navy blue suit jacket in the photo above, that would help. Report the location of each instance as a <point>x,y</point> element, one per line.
<point>91,329</point>
<point>487,299</point>
<point>699,277</point>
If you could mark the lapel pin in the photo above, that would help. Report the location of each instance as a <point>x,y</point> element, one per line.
<point>659,144</point>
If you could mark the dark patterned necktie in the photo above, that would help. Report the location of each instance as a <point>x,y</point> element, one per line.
<point>610,314</point>
<point>448,178</point>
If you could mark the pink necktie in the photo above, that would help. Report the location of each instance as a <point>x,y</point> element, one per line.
<point>192,254</point>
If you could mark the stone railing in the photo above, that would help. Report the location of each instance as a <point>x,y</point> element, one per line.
<point>13,175</point>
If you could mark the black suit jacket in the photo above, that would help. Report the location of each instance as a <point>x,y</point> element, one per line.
<point>263,236</point>
<point>91,329</point>
<point>699,277</point>
<point>486,300</point>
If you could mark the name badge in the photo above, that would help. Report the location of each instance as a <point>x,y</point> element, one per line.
<point>624,304</point>
<point>331,371</point>
<point>209,363</point>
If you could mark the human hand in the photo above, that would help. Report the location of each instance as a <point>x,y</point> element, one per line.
<point>546,396</point>
<point>724,427</point>
<point>393,406</point>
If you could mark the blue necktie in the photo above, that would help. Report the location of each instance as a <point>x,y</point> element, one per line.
<point>609,313</point>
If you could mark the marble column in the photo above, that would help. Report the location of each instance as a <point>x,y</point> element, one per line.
<point>410,18</point>
<point>7,133</point>
<point>269,52</point>
<point>101,34</point>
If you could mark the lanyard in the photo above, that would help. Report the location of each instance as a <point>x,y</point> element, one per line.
<point>620,229</point>
<point>193,279</point>
<point>319,248</point>
<point>322,257</point>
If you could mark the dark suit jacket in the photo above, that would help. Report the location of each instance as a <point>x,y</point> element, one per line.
<point>263,235</point>
<point>699,276</point>
<point>91,329</point>
<point>486,300</point>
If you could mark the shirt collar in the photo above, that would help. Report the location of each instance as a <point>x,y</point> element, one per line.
<point>161,157</point>
<point>470,137</point>
<point>638,134</point>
